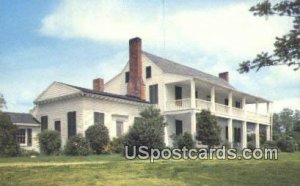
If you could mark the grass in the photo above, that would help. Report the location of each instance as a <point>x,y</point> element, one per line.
<point>115,170</point>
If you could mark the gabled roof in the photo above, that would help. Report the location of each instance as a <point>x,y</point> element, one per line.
<point>175,68</point>
<point>22,118</point>
<point>90,91</point>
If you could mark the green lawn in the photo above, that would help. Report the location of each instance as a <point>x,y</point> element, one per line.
<point>115,170</point>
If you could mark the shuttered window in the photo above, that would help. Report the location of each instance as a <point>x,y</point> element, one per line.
<point>71,124</point>
<point>57,126</point>
<point>119,128</point>
<point>21,136</point>
<point>237,135</point>
<point>126,77</point>
<point>98,118</point>
<point>44,123</point>
<point>178,127</point>
<point>153,94</point>
<point>148,72</point>
<point>29,137</point>
<point>238,104</point>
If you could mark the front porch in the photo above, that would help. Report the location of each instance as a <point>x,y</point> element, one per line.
<point>233,131</point>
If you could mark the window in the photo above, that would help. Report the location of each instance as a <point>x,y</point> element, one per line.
<point>153,94</point>
<point>71,124</point>
<point>57,126</point>
<point>237,135</point>
<point>98,118</point>
<point>196,94</point>
<point>148,72</point>
<point>226,101</point>
<point>44,123</point>
<point>29,137</point>
<point>178,127</point>
<point>238,104</point>
<point>226,132</point>
<point>119,128</point>
<point>21,136</point>
<point>126,77</point>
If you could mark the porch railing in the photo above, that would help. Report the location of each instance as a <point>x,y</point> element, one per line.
<point>178,104</point>
<point>222,109</point>
<point>203,104</point>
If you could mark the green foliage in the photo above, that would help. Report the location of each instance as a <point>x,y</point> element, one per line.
<point>297,126</point>
<point>269,144</point>
<point>251,145</point>
<point>117,145</point>
<point>77,146</point>
<point>2,102</point>
<point>98,137</point>
<point>24,152</point>
<point>185,140</point>
<point>296,136</point>
<point>146,131</point>
<point>8,132</point>
<point>208,130</point>
<point>226,144</point>
<point>50,142</point>
<point>287,47</point>
<point>287,144</point>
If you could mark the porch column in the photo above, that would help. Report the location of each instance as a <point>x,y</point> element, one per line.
<point>212,99</point>
<point>244,103</point>
<point>268,132</point>
<point>193,125</point>
<point>230,102</point>
<point>229,125</point>
<point>166,135</point>
<point>268,107</point>
<point>193,96</point>
<point>256,129</point>
<point>244,134</point>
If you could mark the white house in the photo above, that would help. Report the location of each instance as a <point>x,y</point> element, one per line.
<point>179,91</point>
<point>28,128</point>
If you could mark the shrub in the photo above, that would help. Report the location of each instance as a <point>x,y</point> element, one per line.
<point>251,145</point>
<point>25,152</point>
<point>77,146</point>
<point>226,144</point>
<point>50,142</point>
<point>8,132</point>
<point>98,138</point>
<point>185,140</point>
<point>146,131</point>
<point>117,145</point>
<point>287,145</point>
<point>269,144</point>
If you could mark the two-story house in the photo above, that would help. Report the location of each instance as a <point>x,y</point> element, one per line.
<point>179,91</point>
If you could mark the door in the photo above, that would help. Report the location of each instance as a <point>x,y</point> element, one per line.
<point>178,127</point>
<point>178,95</point>
<point>71,124</point>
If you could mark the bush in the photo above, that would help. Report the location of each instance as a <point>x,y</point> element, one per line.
<point>50,142</point>
<point>117,145</point>
<point>146,131</point>
<point>8,132</point>
<point>25,152</point>
<point>251,145</point>
<point>226,144</point>
<point>287,145</point>
<point>77,146</point>
<point>98,138</point>
<point>185,140</point>
<point>269,144</point>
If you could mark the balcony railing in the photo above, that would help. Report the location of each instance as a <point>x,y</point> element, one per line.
<point>183,104</point>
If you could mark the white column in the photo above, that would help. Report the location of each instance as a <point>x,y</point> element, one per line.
<point>163,96</point>
<point>268,132</point>
<point>244,134</point>
<point>193,125</point>
<point>230,102</point>
<point>229,125</point>
<point>244,103</point>
<point>256,129</point>
<point>268,107</point>
<point>212,99</point>
<point>193,97</point>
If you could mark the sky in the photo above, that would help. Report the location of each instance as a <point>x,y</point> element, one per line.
<point>75,41</point>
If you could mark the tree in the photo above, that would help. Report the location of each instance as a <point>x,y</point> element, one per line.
<point>77,146</point>
<point>185,140</point>
<point>148,130</point>
<point>98,138</point>
<point>287,47</point>
<point>2,102</point>
<point>8,133</point>
<point>50,142</point>
<point>208,130</point>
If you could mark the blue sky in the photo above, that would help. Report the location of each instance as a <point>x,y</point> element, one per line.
<point>77,41</point>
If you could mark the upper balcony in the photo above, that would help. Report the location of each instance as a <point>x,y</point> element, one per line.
<point>220,101</point>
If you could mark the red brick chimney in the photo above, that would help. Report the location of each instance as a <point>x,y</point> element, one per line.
<point>98,85</point>
<point>136,86</point>
<point>224,75</point>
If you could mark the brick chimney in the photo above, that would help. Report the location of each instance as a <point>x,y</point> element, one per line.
<point>98,85</point>
<point>136,86</point>
<point>224,75</point>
